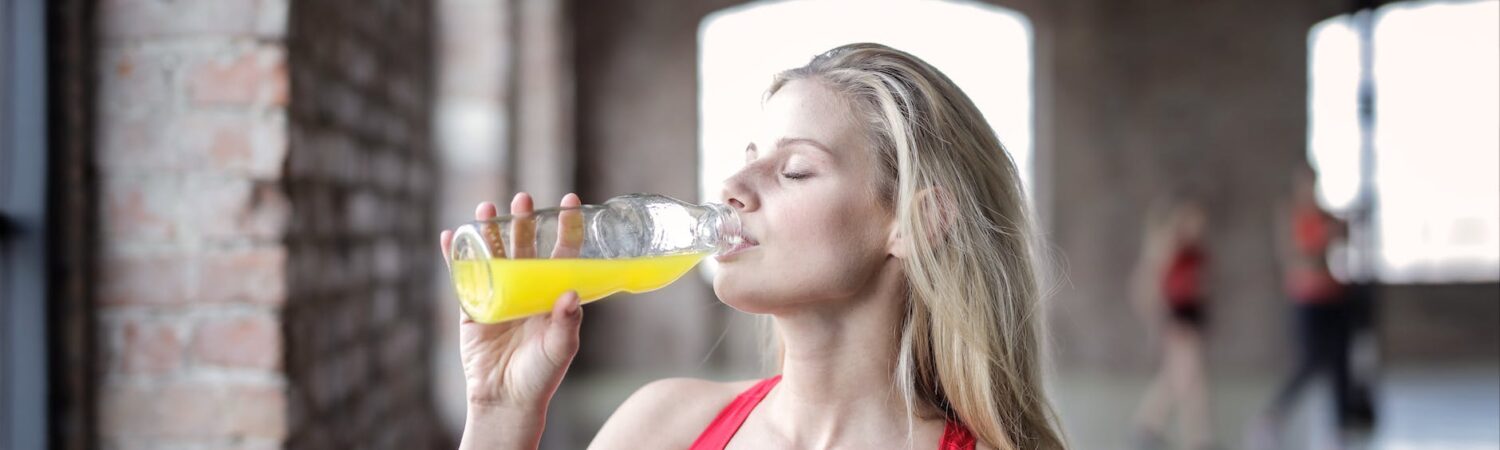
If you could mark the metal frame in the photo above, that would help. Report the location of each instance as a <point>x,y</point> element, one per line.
<point>24,413</point>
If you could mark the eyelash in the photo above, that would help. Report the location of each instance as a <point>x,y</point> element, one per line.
<point>795,175</point>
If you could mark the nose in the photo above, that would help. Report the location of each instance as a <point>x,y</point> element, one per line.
<point>738,194</point>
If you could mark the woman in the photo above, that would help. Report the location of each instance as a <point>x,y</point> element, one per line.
<point>893,249</point>
<point>1169,296</point>
<point>1320,314</point>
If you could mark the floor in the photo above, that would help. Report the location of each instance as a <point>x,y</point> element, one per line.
<point>1419,407</point>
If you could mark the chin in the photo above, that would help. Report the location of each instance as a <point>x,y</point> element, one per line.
<point>743,294</point>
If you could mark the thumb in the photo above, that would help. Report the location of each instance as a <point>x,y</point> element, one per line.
<point>560,341</point>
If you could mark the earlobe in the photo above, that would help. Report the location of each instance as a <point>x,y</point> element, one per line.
<point>895,245</point>
<point>937,211</point>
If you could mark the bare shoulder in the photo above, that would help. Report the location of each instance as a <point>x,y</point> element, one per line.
<point>667,413</point>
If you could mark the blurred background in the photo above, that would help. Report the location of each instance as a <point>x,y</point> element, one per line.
<point>218,220</point>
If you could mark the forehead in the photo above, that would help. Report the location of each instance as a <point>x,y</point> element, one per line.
<point>809,110</point>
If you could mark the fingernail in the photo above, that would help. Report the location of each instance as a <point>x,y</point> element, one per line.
<point>573,304</point>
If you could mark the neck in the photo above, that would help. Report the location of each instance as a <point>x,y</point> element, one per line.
<point>838,372</point>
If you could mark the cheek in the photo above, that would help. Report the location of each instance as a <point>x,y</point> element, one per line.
<point>823,250</point>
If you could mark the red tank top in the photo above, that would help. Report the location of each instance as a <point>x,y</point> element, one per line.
<point>1312,283</point>
<point>1310,230</point>
<point>723,428</point>
<point>1183,280</point>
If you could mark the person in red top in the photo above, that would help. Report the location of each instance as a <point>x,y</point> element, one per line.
<point>1319,311</point>
<point>889,242</point>
<point>1169,295</point>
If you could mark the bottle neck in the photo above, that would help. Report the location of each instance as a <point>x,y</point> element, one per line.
<point>720,228</point>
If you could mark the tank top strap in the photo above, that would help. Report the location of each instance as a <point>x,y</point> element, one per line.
<point>956,437</point>
<point>724,426</point>
<point>728,422</point>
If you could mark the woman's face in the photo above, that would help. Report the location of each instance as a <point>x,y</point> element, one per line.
<point>1191,221</point>
<point>807,198</point>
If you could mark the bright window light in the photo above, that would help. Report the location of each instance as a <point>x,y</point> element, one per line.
<point>985,49</point>
<point>1437,152</point>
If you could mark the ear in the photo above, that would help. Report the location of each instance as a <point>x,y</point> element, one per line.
<point>895,244</point>
<point>937,210</point>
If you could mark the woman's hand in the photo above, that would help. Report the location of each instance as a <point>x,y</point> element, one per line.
<point>513,368</point>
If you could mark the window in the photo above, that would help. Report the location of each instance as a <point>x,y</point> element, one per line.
<point>985,49</point>
<point>1436,172</point>
<point>23,156</point>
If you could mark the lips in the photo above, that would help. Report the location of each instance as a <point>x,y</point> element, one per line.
<point>748,243</point>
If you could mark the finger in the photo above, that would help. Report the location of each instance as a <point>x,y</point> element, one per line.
<point>485,211</point>
<point>463,317</point>
<point>560,341</point>
<point>522,228</point>
<point>569,228</point>
<point>445,242</point>
<point>488,229</point>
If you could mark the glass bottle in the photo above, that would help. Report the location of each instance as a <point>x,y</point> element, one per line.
<point>518,265</point>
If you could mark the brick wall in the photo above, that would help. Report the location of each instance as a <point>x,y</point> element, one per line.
<point>263,171</point>
<point>361,179</point>
<point>190,139</point>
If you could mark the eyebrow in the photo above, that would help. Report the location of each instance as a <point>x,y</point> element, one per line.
<point>783,142</point>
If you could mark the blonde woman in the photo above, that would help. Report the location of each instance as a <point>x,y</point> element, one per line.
<point>1169,296</point>
<point>893,250</point>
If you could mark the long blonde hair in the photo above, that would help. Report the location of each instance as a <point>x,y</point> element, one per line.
<point>970,342</point>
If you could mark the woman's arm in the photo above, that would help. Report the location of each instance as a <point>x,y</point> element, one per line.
<point>512,368</point>
<point>500,428</point>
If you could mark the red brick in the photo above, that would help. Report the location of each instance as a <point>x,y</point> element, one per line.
<point>251,341</point>
<point>136,79</point>
<point>147,348</point>
<point>136,141</point>
<point>146,279</point>
<point>230,147</point>
<point>215,207</point>
<point>146,18</point>
<point>254,276</point>
<point>254,77</point>
<point>182,410</point>
<point>249,143</point>
<point>139,208</point>
<point>233,208</point>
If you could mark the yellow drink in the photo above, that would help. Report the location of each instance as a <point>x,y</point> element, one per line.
<point>502,289</point>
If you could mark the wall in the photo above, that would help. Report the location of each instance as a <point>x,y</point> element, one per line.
<point>1440,323</point>
<point>191,113</point>
<point>266,176</point>
<point>361,179</point>
<point>1160,97</point>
